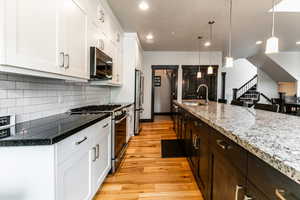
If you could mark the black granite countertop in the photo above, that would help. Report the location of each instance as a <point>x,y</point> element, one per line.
<point>49,130</point>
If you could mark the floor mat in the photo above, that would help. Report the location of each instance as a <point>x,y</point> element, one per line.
<point>171,149</point>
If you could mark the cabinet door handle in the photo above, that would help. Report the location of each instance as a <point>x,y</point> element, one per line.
<point>97,151</point>
<point>81,141</point>
<point>224,145</point>
<point>237,191</point>
<point>68,61</point>
<point>280,194</point>
<point>246,197</point>
<point>196,142</point>
<point>62,59</point>
<point>105,125</point>
<point>94,154</point>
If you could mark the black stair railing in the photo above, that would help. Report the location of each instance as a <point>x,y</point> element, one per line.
<point>267,98</point>
<point>238,92</point>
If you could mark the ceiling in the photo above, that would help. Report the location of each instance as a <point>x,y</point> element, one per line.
<point>188,19</point>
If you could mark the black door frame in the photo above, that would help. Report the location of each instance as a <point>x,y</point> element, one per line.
<point>159,67</point>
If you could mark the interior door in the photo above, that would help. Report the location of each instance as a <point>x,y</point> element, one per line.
<point>32,34</point>
<point>76,39</point>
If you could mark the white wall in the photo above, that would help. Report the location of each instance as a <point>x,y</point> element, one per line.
<point>242,72</point>
<point>132,58</point>
<point>31,98</point>
<point>266,85</point>
<point>174,58</point>
<point>290,62</point>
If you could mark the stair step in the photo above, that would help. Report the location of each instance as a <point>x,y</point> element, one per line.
<point>245,98</point>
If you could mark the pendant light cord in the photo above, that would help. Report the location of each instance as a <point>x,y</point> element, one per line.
<point>273,22</point>
<point>210,23</point>
<point>230,32</point>
<point>199,52</point>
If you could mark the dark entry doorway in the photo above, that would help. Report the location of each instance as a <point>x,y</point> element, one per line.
<point>164,89</point>
<point>190,82</point>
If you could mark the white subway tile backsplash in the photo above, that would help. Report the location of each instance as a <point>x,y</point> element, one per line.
<point>3,76</point>
<point>31,98</point>
<point>14,93</point>
<point>7,84</point>
<point>6,103</point>
<point>3,94</point>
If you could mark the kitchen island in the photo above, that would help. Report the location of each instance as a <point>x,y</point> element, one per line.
<point>255,148</point>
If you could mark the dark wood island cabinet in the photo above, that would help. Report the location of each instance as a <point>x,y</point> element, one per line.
<point>226,171</point>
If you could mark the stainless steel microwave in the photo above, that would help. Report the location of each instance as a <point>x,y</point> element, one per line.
<point>101,65</point>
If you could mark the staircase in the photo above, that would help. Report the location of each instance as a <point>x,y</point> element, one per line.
<point>247,94</point>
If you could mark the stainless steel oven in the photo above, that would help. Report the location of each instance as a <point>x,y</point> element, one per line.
<point>119,140</point>
<point>101,65</point>
<point>119,115</point>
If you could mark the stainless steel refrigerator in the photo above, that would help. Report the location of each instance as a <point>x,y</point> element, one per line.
<point>139,98</point>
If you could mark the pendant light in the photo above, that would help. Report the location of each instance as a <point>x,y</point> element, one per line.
<point>210,69</point>
<point>199,75</point>
<point>229,58</point>
<point>272,43</point>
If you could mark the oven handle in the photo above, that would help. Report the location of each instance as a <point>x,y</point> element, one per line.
<point>120,120</point>
<point>122,153</point>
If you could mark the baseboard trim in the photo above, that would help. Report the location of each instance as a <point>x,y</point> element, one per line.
<point>164,113</point>
<point>146,120</point>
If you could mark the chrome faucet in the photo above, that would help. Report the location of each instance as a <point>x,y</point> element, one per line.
<point>204,85</point>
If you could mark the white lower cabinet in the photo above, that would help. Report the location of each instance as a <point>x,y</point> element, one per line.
<point>74,177</point>
<point>101,157</point>
<point>87,161</point>
<point>72,169</point>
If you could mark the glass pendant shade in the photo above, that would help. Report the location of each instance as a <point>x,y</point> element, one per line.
<point>229,62</point>
<point>272,45</point>
<point>229,58</point>
<point>199,75</point>
<point>210,70</point>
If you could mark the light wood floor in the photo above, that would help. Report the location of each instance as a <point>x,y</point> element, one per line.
<point>144,175</point>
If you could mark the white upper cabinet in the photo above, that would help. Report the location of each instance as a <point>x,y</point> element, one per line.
<point>75,52</point>
<point>46,36</point>
<point>107,35</point>
<point>32,35</point>
<point>52,38</point>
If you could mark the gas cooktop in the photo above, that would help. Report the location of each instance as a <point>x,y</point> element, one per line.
<point>96,109</point>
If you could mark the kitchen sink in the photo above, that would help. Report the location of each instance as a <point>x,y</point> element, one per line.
<point>193,103</point>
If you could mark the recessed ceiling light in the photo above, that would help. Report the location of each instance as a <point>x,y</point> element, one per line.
<point>207,44</point>
<point>173,33</point>
<point>298,43</point>
<point>287,6</point>
<point>259,42</point>
<point>149,36</point>
<point>144,5</point>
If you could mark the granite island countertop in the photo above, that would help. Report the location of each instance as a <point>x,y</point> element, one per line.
<point>49,130</point>
<point>272,137</point>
